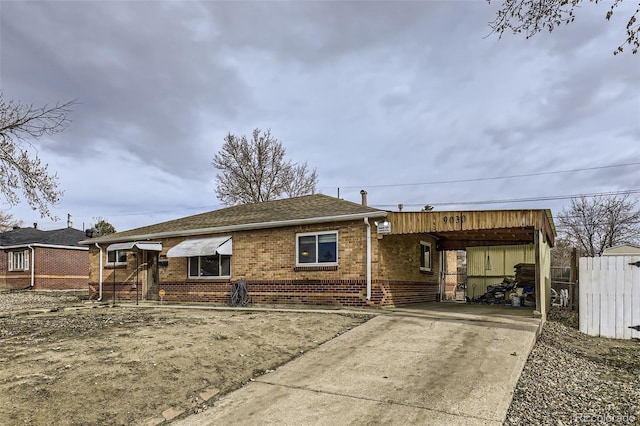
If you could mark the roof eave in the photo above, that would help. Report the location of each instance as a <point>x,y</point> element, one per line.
<point>241,227</point>
<point>55,246</point>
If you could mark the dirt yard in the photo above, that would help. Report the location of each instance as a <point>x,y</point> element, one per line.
<point>129,365</point>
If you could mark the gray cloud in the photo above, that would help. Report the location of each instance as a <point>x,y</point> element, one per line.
<point>369,93</point>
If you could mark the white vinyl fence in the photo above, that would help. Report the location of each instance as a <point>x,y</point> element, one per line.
<point>610,296</point>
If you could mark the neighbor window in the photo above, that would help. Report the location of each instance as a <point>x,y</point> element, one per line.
<point>425,256</point>
<point>117,257</point>
<point>19,260</point>
<point>317,248</point>
<point>217,265</point>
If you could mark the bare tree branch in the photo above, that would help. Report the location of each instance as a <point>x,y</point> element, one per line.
<point>8,222</point>
<point>530,17</point>
<point>300,181</point>
<point>20,170</point>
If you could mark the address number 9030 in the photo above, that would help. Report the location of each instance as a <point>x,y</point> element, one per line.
<point>454,219</point>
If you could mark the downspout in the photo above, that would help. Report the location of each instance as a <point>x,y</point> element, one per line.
<point>33,266</point>
<point>366,221</point>
<point>100,274</point>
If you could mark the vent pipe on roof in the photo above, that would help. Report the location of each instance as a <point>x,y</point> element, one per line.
<point>364,197</point>
<point>69,223</point>
<point>35,225</point>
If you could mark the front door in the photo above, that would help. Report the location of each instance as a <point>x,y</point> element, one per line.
<point>151,280</point>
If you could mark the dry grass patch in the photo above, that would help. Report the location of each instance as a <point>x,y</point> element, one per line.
<point>123,365</point>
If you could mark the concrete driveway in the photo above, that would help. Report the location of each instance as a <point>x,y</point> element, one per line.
<point>435,364</point>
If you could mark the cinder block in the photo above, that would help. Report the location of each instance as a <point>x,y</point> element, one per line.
<point>171,413</point>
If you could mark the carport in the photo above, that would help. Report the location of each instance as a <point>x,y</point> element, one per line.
<point>459,230</point>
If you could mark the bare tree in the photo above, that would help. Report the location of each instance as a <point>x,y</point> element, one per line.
<point>561,253</point>
<point>8,222</point>
<point>256,170</point>
<point>530,17</point>
<point>593,224</point>
<point>20,169</point>
<point>300,181</point>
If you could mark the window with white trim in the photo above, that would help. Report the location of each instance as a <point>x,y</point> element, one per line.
<point>19,260</point>
<point>425,256</point>
<point>117,257</point>
<point>318,248</point>
<point>216,266</point>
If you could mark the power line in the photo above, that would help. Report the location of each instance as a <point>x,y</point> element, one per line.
<point>390,185</point>
<point>516,200</point>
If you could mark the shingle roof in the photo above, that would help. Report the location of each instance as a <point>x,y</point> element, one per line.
<point>59,237</point>
<point>290,209</point>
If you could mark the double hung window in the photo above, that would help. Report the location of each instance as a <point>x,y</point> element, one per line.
<point>19,260</point>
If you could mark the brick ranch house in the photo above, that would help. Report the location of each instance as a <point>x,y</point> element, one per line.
<point>34,259</point>
<point>314,249</point>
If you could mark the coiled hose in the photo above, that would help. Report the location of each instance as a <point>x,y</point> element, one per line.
<point>239,296</point>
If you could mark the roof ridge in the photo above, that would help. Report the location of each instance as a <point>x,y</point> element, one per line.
<point>283,210</point>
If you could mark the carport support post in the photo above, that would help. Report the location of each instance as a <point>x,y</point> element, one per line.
<point>536,239</point>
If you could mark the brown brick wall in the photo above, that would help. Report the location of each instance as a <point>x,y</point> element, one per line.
<point>394,293</point>
<point>399,258</point>
<point>60,269</point>
<point>266,260</point>
<point>55,269</point>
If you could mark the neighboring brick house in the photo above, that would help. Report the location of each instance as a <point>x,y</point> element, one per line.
<point>31,258</point>
<point>314,249</point>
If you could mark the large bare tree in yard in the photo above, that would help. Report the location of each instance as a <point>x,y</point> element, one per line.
<point>530,17</point>
<point>255,170</point>
<point>21,170</point>
<point>593,224</point>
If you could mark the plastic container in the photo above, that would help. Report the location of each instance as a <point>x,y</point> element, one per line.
<point>515,300</point>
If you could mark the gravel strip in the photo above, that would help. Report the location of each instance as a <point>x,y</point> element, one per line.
<point>573,379</point>
<point>24,300</point>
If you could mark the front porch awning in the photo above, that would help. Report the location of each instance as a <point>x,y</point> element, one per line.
<point>132,245</point>
<point>202,247</point>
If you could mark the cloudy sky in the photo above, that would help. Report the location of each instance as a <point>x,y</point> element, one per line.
<point>413,101</point>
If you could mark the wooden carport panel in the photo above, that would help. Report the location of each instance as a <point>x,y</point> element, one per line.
<point>457,230</point>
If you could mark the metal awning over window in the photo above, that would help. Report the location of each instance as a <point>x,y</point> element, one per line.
<point>140,245</point>
<point>202,247</point>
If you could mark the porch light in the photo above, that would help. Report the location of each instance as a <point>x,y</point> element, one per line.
<point>385,223</point>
